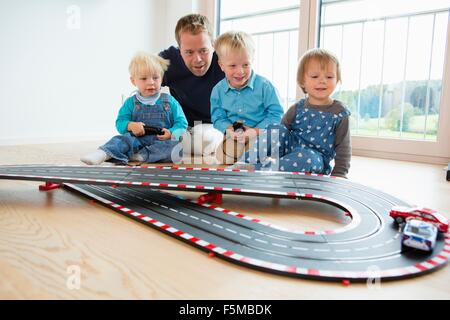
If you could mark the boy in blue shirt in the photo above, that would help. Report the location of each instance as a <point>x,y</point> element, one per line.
<point>149,107</point>
<point>243,97</point>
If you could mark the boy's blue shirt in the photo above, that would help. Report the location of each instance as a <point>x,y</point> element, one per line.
<point>257,104</point>
<point>179,119</point>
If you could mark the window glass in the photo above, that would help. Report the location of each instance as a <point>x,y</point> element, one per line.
<point>274,28</point>
<point>392,54</point>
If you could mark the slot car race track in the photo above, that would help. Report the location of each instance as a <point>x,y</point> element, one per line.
<point>367,248</point>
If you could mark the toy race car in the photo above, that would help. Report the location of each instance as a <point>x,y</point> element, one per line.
<point>402,214</point>
<point>420,235</point>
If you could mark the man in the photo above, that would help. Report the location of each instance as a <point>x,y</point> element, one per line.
<point>192,73</point>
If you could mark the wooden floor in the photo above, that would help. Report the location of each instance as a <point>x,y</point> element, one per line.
<point>47,239</point>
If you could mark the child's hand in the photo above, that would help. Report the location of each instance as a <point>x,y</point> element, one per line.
<point>247,134</point>
<point>137,128</point>
<point>233,134</point>
<point>166,136</point>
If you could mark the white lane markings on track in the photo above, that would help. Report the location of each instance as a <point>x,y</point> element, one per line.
<point>194,217</point>
<point>378,245</point>
<point>362,249</point>
<point>176,176</point>
<point>184,214</point>
<point>205,221</point>
<point>217,226</point>
<point>342,250</point>
<point>232,231</point>
<point>279,245</point>
<point>262,241</point>
<point>245,236</point>
<point>389,241</point>
<point>300,248</point>
<point>322,250</point>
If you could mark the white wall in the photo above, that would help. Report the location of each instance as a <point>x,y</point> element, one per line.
<point>64,64</point>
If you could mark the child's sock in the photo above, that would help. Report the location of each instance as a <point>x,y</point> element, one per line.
<point>137,158</point>
<point>96,157</point>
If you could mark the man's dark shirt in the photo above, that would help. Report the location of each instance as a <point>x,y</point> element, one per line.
<point>191,92</point>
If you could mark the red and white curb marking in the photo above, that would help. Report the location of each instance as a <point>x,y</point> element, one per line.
<point>195,187</point>
<point>354,215</point>
<point>174,167</point>
<point>435,262</point>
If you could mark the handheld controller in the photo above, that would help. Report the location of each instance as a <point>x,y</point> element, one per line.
<point>238,126</point>
<point>153,130</point>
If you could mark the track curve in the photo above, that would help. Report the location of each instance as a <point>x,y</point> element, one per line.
<point>367,248</point>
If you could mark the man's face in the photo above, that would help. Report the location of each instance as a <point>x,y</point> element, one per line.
<point>196,51</point>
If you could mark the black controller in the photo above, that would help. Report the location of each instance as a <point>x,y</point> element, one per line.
<point>153,130</point>
<point>238,125</point>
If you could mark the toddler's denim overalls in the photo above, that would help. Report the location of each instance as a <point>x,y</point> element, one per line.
<point>122,147</point>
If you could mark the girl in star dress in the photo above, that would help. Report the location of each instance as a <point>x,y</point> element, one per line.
<point>314,131</point>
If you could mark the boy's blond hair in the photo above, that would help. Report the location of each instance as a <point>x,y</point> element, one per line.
<point>234,41</point>
<point>194,24</point>
<point>146,63</point>
<point>323,57</point>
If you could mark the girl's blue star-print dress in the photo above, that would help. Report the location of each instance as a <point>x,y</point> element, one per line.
<point>308,146</point>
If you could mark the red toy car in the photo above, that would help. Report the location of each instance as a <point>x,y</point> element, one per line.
<point>401,214</point>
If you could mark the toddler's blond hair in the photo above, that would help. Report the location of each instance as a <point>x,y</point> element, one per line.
<point>234,41</point>
<point>324,57</point>
<point>146,63</point>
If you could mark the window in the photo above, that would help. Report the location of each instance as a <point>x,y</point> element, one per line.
<point>392,54</point>
<point>274,28</point>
